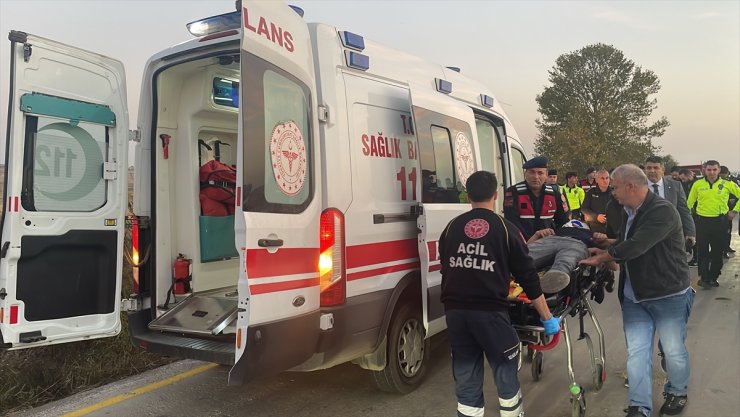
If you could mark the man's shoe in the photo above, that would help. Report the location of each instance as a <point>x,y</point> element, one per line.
<point>726,255</point>
<point>714,283</point>
<point>634,411</point>
<point>673,405</point>
<point>730,250</point>
<point>704,284</point>
<point>554,281</point>
<point>692,262</point>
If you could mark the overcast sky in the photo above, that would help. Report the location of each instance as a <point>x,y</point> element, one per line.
<point>693,47</point>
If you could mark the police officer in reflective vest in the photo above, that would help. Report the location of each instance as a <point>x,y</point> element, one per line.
<point>479,252</point>
<point>533,205</point>
<point>574,194</point>
<point>711,195</point>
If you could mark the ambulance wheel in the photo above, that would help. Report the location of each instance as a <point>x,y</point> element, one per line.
<point>537,361</point>
<point>407,353</point>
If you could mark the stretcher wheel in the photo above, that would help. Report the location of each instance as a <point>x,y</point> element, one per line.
<point>599,376</point>
<point>537,361</point>
<point>597,368</point>
<point>578,406</point>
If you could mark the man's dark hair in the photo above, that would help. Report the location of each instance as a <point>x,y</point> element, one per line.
<point>655,159</point>
<point>676,168</point>
<point>724,170</point>
<point>641,166</point>
<point>684,171</point>
<point>711,162</point>
<point>571,174</point>
<point>481,186</point>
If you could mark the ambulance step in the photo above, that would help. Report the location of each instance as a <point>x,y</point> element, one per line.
<point>200,314</point>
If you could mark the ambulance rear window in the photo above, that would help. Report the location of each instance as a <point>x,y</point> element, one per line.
<point>226,92</point>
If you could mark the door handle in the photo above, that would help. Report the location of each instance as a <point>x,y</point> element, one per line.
<point>270,243</point>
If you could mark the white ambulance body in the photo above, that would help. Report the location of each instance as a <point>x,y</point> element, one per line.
<point>349,159</point>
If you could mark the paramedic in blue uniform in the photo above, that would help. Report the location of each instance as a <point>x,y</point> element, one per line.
<point>479,252</point>
<point>534,206</point>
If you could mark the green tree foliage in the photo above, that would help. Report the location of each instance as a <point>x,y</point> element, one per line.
<point>669,162</point>
<point>596,111</point>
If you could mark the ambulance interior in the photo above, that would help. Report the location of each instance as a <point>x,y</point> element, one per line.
<point>196,119</point>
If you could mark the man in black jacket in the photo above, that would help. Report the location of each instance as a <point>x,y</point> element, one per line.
<point>479,253</point>
<point>594,204</point>
<point>654,290</point>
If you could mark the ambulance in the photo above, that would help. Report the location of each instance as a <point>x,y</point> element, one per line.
<point>348,159</point>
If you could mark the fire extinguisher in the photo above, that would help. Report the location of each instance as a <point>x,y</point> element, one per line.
<point>182,275</point>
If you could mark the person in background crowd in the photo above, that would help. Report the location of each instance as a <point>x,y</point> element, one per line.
<point>533,205</point>
<point>687,179</point>
<point>474,297</point>
<point>573,194</point>
<point>675,172</point>
<point>724,173</point>
<point>654,291</point>
<point>594,204</point>
<point>590,181</point>
<point>711,194</point>
<point>552,179</point>
<point>671,191</point>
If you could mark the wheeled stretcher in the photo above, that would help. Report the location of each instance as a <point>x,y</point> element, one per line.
<point>586,284</point>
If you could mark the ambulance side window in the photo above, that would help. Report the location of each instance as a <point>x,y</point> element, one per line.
<point>517,160</point>
<point>437,169</point>
<point>278,171</point>
<point>489,151</point>
<point>63,165</point>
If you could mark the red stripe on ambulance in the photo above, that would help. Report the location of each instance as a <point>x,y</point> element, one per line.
<point>285,261</point>
<point>381,252</point>
<point>283,286</point>
<point>380,271</point>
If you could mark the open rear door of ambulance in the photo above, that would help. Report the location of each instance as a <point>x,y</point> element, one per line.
<point>65,195</point>
<point>445,130</point>
<point>278,175</point>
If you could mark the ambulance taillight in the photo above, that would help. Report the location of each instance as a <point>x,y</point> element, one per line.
<point>332,271</point>
<point>135,253</point>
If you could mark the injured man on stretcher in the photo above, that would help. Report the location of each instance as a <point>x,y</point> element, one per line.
<point>561,250</point>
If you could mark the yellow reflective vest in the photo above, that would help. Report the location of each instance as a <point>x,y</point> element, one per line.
<point>574,195</point>
<point>711,199</point>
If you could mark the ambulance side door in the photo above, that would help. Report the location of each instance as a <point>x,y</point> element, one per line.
<point>278,194</point>
<point>65,195</point>
<point>448,154</point>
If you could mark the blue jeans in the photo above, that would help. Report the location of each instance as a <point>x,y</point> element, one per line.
<point>668,316</point>
<point>473,333</point>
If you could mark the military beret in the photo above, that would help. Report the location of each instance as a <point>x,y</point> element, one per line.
<point>590,170</point>
<point>536,162</point>
<point>552,172</point>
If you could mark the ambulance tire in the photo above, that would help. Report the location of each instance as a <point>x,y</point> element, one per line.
<point>407,352</point>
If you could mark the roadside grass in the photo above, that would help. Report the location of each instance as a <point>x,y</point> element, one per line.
<point>32,377</point>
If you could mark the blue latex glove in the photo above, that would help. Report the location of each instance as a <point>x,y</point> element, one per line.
<point>552,325</point>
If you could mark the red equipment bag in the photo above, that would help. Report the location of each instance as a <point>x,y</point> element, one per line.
<point>217,185</point>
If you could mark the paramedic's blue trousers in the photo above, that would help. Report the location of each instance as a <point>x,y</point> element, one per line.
<point>473,333</point>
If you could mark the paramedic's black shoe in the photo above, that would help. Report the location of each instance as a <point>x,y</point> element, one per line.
<point>714,283</point>
<point>634,411</point>
<point>554,281</point>
<point>726,255</point>
<point>673,405</point>
<point>692,262</point>
<point>704,284</point>
<point>730,250</point>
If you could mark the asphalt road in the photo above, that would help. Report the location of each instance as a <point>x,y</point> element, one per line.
<point>713,342</point>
